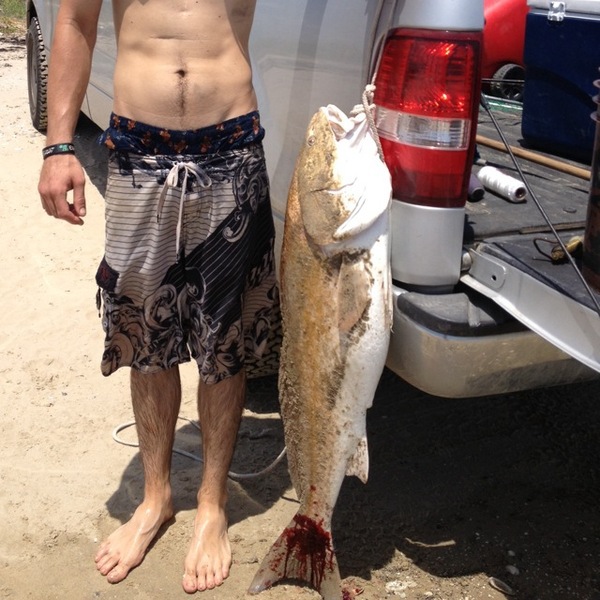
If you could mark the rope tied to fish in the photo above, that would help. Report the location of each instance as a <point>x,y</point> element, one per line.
<point>368,95</point>
<point>368,108</point>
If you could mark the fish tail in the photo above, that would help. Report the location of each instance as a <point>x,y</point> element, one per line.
<point>303,552</point>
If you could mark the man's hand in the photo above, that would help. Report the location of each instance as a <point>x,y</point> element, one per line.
<point>61,174</point>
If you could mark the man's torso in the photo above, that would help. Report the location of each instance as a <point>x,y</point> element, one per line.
<point>183,64</point>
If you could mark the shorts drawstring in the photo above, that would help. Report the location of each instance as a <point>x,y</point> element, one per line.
<point>172,181</point>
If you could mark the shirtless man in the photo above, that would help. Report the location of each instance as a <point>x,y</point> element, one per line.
<point>185,139</point>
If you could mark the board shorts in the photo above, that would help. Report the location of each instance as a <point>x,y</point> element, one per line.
<point>189,267</point>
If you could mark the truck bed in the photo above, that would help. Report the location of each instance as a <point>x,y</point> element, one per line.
<point>511,244</point>
<point>563,196</point>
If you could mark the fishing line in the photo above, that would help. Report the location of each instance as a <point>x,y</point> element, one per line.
<point>231,474</point>
<point>536,201</point>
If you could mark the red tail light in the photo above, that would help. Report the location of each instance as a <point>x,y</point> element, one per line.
<point>427,98</point>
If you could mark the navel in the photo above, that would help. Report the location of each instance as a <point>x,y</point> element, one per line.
<point>182,84</point>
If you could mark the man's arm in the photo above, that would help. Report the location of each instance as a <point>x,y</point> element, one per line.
<point>70,65</point>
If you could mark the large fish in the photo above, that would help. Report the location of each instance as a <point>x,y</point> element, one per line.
<point>336,308</point>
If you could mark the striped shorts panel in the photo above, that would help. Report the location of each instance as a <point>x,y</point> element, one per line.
<point>188,269</point>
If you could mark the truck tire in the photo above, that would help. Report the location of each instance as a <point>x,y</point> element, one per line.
<point>507,82</point>
<point>37,76</point>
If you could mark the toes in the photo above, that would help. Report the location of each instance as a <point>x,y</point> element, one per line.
<point>190,582</point>
<point>117,574</point>
<point>217,577</point>
<point>205,579</point>
<point>113,567</point>
<point>105,564</point>
<point>102,553</point>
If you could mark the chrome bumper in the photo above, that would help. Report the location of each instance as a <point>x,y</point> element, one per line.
<point>458,367</point>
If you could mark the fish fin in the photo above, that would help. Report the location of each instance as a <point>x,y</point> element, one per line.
<point>303,552</point>
<point>358,465</point>
<point>354,286</point>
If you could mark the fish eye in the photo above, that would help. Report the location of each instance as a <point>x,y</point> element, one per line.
<point>310,141</point>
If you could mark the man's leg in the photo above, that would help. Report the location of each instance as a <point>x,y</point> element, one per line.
<point>156,399</point>
<point>220,408</point>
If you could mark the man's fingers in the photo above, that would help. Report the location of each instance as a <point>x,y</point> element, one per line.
<point>52,199</point>
<point>78,202</point>
<point>61,209</point>
<point>49,206</point>
<point>70,214</point>
<point>56,205</point>
<point>45,206</point>
<point>79,207</point>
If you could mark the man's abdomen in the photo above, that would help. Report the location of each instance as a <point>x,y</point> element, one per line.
<point>178,91</point>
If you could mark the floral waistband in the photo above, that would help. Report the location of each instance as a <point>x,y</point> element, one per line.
<point>127,135</point>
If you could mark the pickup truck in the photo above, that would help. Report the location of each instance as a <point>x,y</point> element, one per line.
<point>479,308</point>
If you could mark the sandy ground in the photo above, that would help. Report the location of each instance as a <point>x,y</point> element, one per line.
<point>459,491</point>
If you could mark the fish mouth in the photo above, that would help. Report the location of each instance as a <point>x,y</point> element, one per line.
<point>335,191</point>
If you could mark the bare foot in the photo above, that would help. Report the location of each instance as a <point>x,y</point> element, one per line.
<point>125,548</point>
<point>209,558</point>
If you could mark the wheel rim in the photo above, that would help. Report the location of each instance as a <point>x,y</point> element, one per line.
<point>504,87</point>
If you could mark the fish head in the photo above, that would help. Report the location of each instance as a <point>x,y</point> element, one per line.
<point>343,185</point>
<point>316,163</point>
<point>323,179</point>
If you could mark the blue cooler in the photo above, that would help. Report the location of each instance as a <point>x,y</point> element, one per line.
<point>562,58</point>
